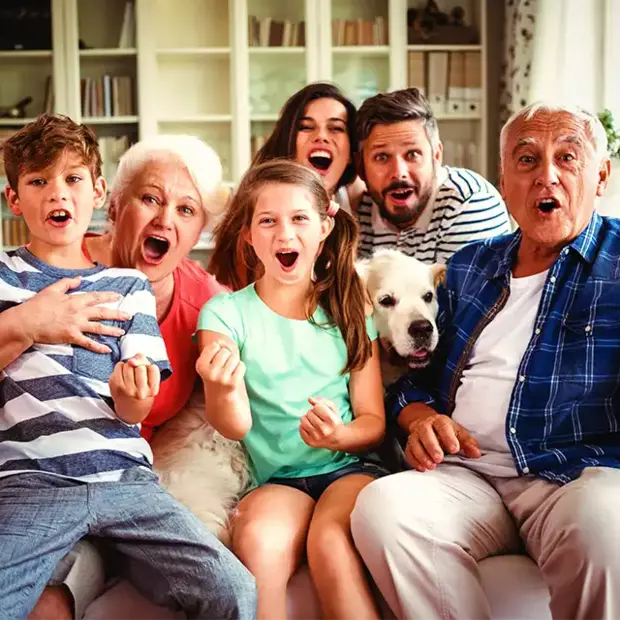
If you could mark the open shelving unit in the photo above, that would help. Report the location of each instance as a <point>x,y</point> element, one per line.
<point>197,67</point>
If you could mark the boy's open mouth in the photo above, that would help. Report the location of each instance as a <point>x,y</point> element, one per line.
<point>155,248</point>
<point>287,259</point>
<point>320,160</point>
<point>59,217</point>
<point>547,205</point>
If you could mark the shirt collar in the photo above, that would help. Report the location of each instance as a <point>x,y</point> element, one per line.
<point>585,244</point>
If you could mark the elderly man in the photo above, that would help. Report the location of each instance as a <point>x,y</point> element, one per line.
<point>414,203</point>
<point>514,438</point>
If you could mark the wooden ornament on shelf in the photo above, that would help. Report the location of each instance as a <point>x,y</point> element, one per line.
<point>430,26</point>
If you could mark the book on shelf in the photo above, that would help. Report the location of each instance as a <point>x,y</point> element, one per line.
<point>473,82</point>
<point>268,32</point>
<point>128,29</point>
<point>359,31</point>
<point>111,149</point>
<point>48,102</point>
<point>451,81</point>
<point>107,95</point>
<point>14,231</point>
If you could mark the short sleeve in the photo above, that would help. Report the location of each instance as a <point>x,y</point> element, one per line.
<point>371,329</point>
<point>142,333</point>
<point>221,314</point>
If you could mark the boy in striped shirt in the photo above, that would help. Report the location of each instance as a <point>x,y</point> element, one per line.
<point>413,203</point>
<point>72,461</point>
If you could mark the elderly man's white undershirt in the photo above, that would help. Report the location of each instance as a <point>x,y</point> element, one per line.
<point>483,397</point>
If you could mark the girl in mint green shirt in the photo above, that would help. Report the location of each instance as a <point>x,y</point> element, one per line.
<point>290,367</point>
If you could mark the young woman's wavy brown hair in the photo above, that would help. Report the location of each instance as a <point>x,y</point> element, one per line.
<point>282,142</point>
<point>337,289</point>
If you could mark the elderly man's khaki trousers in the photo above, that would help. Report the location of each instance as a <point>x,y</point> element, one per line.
<point>422,534</point>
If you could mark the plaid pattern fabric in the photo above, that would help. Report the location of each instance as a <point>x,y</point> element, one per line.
<point>565,406</point>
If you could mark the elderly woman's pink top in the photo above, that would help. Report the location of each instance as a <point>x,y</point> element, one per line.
<point>193,287</point>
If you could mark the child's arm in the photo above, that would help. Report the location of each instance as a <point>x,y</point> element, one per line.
<point>133,387</point>
<point>227,407</point>
<point>322,427</point>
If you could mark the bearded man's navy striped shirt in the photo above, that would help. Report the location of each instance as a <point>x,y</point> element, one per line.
<point>56,413</point>
<point>466,208</point>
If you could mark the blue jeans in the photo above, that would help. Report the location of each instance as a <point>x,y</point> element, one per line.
<point>314,486</point>
<point>167,553</point>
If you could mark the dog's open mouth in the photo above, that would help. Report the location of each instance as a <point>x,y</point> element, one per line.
<point>287,259</point>
<point>321,161</point>
<point>547,205</point>
<point>419,359</point>
<point>155,248</point>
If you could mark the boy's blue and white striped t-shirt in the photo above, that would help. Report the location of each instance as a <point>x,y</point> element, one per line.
<point>56,413</point>
<point>466,208</point>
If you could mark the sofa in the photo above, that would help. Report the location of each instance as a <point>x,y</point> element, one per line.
<point>513,585</point>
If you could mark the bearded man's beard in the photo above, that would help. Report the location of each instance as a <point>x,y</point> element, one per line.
<point>408,216</point>
<point>405,217</point>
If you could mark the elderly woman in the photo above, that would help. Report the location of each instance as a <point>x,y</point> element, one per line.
<point>163,195</point>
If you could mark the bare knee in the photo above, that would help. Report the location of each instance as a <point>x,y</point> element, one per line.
<point>264,546</point>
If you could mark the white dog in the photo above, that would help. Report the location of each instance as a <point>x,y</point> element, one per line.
<point>199,467</point>
<point>403,293</point>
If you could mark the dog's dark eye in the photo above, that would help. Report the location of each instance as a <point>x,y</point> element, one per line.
<point>387,301</point>
<point>428,297</point>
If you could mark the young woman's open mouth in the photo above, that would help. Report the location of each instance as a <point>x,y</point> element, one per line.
<point>154,249</point>
<point>287,259</point>
<point>59,218</point>
<point>321,160</point>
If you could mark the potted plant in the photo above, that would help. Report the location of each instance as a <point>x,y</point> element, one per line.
<point>609,204</point>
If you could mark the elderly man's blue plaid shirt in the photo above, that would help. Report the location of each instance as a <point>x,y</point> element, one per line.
<point>565,405</point>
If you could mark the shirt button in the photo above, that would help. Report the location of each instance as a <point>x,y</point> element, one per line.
<point>565,251</point>
<point>526,470</point>
<point>537,331</point>
<point>521,378</point>
<point>552,279</point>
<point>513,430</point>
<point>588,328</point>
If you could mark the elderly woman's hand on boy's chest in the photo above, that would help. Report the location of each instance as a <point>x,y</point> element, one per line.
<point>53,316</point>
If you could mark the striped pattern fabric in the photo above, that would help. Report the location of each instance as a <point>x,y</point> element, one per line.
<point>467,208</point>
<point>56,413</point>
<point>564,413</point>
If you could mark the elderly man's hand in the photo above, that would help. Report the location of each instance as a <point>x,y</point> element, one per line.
<point>431,437</point>
<point>54,317</point>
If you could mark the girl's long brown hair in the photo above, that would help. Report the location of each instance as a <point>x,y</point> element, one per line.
<point>337,289</point>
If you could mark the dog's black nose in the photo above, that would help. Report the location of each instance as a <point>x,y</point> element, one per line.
<point>420,328</point>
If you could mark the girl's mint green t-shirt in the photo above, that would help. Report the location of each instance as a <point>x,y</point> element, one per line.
<point>286,361</point>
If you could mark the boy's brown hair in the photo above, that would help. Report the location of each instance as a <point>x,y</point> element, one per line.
<point>41,142</point>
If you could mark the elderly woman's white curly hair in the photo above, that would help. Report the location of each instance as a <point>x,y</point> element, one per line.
<point>200,160</point>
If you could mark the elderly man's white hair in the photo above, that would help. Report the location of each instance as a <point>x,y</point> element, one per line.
<point>201,161</point>
<point>594,127</point>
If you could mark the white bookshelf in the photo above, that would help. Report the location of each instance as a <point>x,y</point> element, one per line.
<point>195,71</point>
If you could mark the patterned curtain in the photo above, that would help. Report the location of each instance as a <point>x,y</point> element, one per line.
<point>519,31</point>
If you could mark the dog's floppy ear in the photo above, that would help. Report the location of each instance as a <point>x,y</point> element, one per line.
<point>362,267</point>
<point>439,274</point>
